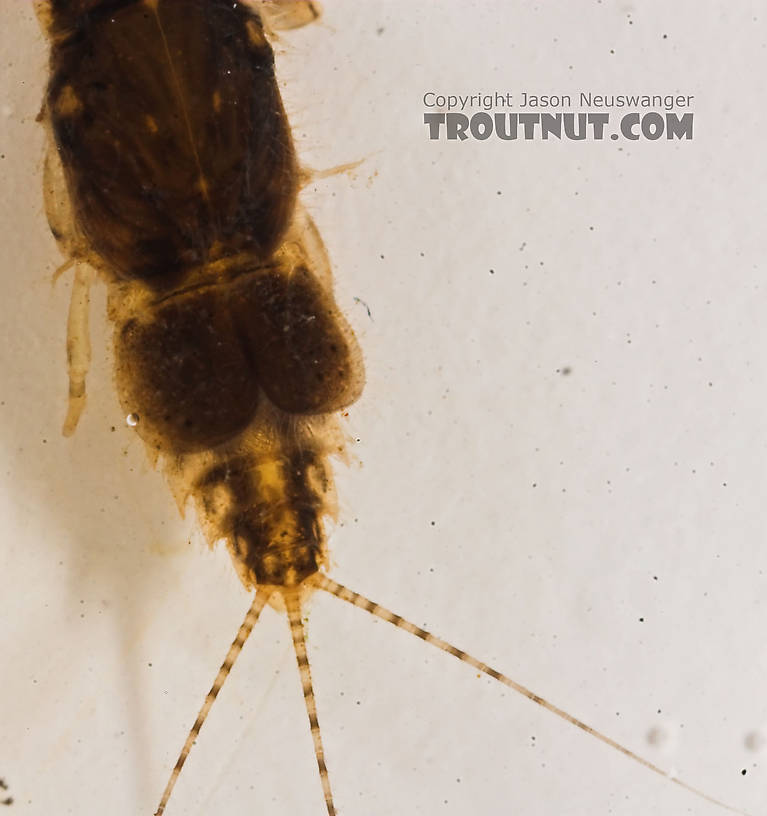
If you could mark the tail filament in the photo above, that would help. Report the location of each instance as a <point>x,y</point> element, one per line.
<point>260,599</point>
<point>299,645</point>
<point>334,588</point>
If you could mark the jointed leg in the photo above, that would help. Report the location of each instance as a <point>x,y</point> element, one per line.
<point>78,346</point>
<point>284,15</point>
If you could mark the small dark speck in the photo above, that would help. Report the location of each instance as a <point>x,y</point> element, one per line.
<point>498,192</point>
<point>565,371</point>
<point>150,665</point>
<point>380,30</point>
<point>382,257</point>
<point>492,271</point>
<point>743,772</point>
<point>665,36</point>
<point>641,620</point>
<point>433,523</point>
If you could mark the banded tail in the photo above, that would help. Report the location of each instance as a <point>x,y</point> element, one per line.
<point>292,598</point>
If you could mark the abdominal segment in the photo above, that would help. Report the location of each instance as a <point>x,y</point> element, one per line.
<point>233,382</point>
<point>268,504</point>
<point>194,366</point>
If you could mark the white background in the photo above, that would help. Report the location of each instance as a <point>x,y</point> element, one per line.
<point>530,517</point>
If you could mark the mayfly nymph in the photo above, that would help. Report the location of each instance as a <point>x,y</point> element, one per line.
<point>171,173</point>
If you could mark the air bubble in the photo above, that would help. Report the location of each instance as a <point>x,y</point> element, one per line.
<point>663,737</point>
<point>755,741</point>
<point>132,420</point>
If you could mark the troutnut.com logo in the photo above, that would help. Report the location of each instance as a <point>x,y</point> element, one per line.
<point>554,116</point>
